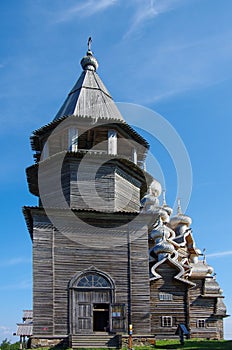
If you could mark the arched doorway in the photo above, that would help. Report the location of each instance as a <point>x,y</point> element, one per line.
<point>91,297</point>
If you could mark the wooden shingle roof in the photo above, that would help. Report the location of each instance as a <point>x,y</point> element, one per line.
<point>24,329</point>
<point>89,96</point>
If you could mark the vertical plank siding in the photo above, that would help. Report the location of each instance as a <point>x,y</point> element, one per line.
<point>140,285</point>
<point>58,257</point>
<point>42,280</point>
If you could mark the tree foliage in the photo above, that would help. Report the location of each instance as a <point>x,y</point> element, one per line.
<point>6,345</point>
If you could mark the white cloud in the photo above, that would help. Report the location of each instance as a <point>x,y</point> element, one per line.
<point>4,331</point>
<point>85,9</point>
<point>220,254</point>
<point>184,66</point>
<point>147,10</point>
<point>7,333</point>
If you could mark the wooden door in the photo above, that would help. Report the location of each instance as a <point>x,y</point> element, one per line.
<point>90,290</point>
<point>83,315</point>
<point>85,301</point>
<point>84,318</point>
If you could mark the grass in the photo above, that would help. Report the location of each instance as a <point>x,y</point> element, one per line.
<point>193,344</point>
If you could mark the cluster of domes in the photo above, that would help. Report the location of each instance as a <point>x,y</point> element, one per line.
<point>171,233</point>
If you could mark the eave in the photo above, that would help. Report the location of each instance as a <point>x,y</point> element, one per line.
<point>28,212</point>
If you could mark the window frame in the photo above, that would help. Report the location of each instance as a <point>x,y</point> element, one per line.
<point>73,139</point>
<point>165,296</point>
<point>92,281</point>
<point>166,321</point>
<point>201,323</point>
<point>112,142</point>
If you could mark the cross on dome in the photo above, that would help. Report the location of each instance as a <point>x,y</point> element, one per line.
<point>89,62</point>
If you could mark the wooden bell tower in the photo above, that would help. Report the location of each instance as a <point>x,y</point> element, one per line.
<point>88,238</point>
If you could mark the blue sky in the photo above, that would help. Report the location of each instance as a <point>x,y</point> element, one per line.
<point>171,56</point>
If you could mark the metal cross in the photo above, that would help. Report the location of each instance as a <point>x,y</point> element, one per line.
<point>89,43</point>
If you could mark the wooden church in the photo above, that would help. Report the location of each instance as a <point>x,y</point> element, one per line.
<point>107,253</point>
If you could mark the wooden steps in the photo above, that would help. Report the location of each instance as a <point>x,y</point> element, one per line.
<point>95,341</point>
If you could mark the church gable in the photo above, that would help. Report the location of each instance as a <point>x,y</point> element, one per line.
<point>168,272</point>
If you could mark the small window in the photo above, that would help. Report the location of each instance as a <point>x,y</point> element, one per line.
<point>73,139</point>
<point>201,323</point>
<point>166,321</point>
<point>134,155</point>
<point>112,142</point>
<point>165,296</point>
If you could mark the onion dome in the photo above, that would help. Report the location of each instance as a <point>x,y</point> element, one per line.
<point>210,270</point>
<point>180,218</point>
<point>150,201</point>
<point>155,188</point>
<point>89,62</point>
<point>163,214</point>
<point>163,248</point>
<point>160,232</point>
<point>200,269</point>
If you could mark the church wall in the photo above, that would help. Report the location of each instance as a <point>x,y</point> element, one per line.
<point>117,190</point>
<point>220,329</point>
<point>42,280</point>
<point>50,180</point>
<point>203,309</point>
<point>174,308</point>
<point>58,257</point>
<point>103,182</point>
<point>127,194</point>
<point>85,183</point>
<point>140,285</point>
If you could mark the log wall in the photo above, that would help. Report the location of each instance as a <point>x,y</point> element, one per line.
<point>86,183</point>
<point>176,308</point>
<point>203,308</point>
